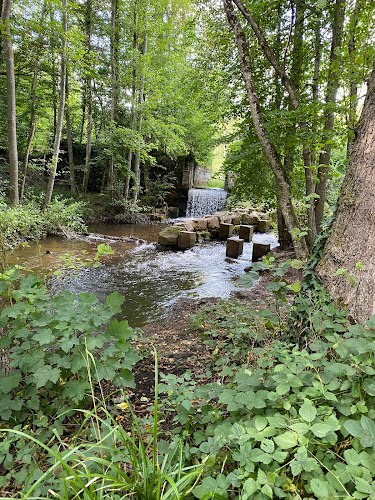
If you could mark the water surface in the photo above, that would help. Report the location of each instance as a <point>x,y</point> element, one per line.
<point>150,279</point>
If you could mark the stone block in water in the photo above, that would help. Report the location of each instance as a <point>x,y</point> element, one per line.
<point>246,232</point>
<point>263,226</point>
<point>225,231</point>
<point>213,222</point>
<point>249,219</point>
<point>186,239</point>
<point>260,250</point>
<point>236,220</point>
<point>173,212</point>
<point>200,224</point>
<point>186,224</point>
<point>234,247</point>
<point>203,236</point>
<point>169,235</point>
<point>228,219</point>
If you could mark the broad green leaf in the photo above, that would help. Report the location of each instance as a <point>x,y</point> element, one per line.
<point>307,411</point>
<point>46,374</point>
<point>250,486</point>
<point>320,488</point>
<point>321,429</point>
<point>286,440</point>
<point>260,423</point>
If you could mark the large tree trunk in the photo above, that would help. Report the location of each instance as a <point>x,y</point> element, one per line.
<point>352,237</point>
<point>285,197</point>
<point>60,114</point>
<point>11,103</point>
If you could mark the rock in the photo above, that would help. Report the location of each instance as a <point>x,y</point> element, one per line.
<point>246,232</point>
<point>169,235</point>
<point>225,231</point>
<point>263,226</point>
<point>186,224</point>
<point>234,247</point>
<point>247,219</point>
<point>173,212</point>
<point>213,222</point>
<point>259,250</point>
<point>186,239</point>
<point>228,219</point>
<point>236,220</point>
<point>200,224</point>
<point>203,236</point>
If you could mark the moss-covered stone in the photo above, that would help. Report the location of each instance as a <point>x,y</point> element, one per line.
<point>169,235</point>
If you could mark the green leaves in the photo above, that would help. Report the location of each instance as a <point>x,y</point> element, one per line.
<point>286,440</point>
<point>307,411</point>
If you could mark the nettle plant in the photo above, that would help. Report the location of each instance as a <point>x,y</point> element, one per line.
<point>59,348</point>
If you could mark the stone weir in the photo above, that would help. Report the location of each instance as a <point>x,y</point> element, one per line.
<point>221,225</point>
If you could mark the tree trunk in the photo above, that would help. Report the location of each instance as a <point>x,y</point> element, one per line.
<point>73,185</point>
<point>141,99</point>
<point>353,86</point>
<point>271,154</point>
<point>60,114</point>
<point>32,103</point>
<point>352,235</point>
<point>331,95</point>
<point>11,103</point>
<point>88,23</point>
<point>132,108</point>
<point>114,38</point>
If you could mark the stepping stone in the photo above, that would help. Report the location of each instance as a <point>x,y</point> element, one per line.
<point>263,226</point>
<point>234,247</point>
<point>225,231</point>
<point>246,232</point>
<point>186,239</point>
<point>259,250</point>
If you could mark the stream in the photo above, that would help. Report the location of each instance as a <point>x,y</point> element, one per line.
<point>151,280</point>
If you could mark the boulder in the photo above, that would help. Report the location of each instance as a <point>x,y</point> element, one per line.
<point>234,247</point>
<point>263,226</point>
<point>186,224</point>
<point>200,224</point>
<point>225,231</point>
<point>246,232</point>
<point>228,219</point>
<point>248,219</point>
<point>203,236</point>
<point>186,239</point>
<point>236,220</point>
<point>259,250</point>
<point>169,235</point>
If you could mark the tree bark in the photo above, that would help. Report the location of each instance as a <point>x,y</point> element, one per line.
<point>11,103</point>
<point>272,156</point>
<point>60,113</point>
<point>352,236</point>
<point>114,39</point>
<point>353,86</point>
<point>330,100</point>
<point>32,124</point>
<point>73,185</point>
<point>88,21</point>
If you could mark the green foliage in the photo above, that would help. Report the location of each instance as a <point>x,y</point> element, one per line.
<point>281,421</point>
<point>107,461</point>
<point>19,222</point>
<point>48,339</point>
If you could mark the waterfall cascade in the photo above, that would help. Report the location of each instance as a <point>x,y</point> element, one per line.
<point>205,201</point>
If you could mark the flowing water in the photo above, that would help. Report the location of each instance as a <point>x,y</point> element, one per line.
<point>150,279</point>
<point>205,201</point>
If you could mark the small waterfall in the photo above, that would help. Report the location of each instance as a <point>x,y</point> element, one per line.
<point>205,201</point>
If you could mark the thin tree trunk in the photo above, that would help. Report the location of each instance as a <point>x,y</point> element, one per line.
<point>132,108</point>
<point>26,160</point>
<point>86,173</point>
<point>32,124</point>
<point>11,103</point>
<point>141,100</point>
<point>272,156</point>
<point>330,100</point>
<point>73,185</point>
<point>114,66</point>
<point>60,114</point>
<point>352,236</point>
<point>353,86</point>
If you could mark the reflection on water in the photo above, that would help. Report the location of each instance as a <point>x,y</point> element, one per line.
<point>151,280</point>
